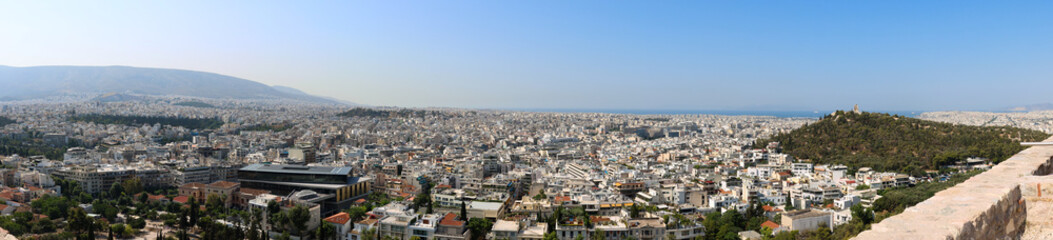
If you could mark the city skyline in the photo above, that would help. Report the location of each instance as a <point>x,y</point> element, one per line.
<point>583,55</point>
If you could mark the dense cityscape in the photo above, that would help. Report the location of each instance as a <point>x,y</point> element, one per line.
<point>526,120</point>
<point>297,170</point>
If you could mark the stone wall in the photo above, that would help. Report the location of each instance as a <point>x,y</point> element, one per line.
<point>992,205</point>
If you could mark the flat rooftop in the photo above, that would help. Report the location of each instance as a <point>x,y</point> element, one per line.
<point>506,226</point>
<point>297,169</point>
<point>485,205</point>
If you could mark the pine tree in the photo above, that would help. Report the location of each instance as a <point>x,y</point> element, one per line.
<point>464,212</point>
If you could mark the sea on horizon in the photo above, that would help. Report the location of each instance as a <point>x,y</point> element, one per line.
<point>780,114</point>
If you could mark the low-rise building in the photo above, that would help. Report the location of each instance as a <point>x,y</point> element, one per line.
<point>806,220</point>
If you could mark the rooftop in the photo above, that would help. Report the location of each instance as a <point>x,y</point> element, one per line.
<point>223,184</point>
<point>450,219</point>
<point>339,218</point>
<point>485,205</point>
<point>297,169</point>
<point>506,226</point>
<point>807,213</point>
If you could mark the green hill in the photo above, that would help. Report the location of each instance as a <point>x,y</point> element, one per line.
<point>5,121</point>
<point>387,113</point>
<point>191,123</point>
<point>896,143</point>
<point>194,104</point>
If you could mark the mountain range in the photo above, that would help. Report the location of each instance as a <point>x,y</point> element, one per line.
<point>1032,107</point>
<point>21,83</point>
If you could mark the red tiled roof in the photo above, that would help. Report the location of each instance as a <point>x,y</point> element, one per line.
<point>193,185</point>
<point>368,221</point>
<point>155,197</point>
<point>770,209</point>
<point>7,195</point>
<point>450,220</point>
<point>339,218</point>
<point>770,225</point>
<point>223,184</point>
<point>597,219</point>
<point>181,199</point>
<point>253,191</point>
<point>360,201</point>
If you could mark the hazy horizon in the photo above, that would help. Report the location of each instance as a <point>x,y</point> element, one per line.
<point>747,56</point>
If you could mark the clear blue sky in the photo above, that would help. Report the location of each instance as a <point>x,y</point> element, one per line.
<point>755,55</point>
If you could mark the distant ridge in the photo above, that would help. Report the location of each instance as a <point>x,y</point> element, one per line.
<point>1032,107</point>
<point>46,81</point>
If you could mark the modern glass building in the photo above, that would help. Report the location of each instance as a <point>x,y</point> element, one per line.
<point>336,186</point>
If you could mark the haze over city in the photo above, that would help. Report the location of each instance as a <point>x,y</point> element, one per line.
<point>526,120</point>
<point>676,55</point>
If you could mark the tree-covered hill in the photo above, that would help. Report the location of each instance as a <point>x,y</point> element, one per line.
<point>194,104</point>
<point>384,113</point>
<point>896,143</point>
<point>191,123</point>
<point>5,121</point>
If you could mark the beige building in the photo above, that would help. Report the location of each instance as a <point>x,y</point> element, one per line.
<point>224,190</point>
<point>806,220</point>
<point>196,190</point>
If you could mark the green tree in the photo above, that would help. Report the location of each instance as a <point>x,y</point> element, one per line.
<point>634,210</point>
<point>733,218</point>
<point>357,213</point>
<point>540,195</point>
<point>116,190</point>
<point>325,231</point>
<point>599,234</point>
<point>865,215</point>
<point>298,218</point>
<point>214,204</point>
<point>712,224</point>
<point>195,210</point>
<point>43,226</point>
<point>479,227</point>
<point>822,233</point>
<point>369,234</point>
<point>464,211</point>
<point>786,235</point>
<point>273,207</point>
<point>132,186</point>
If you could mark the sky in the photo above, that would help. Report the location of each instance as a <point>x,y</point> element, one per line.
<point>682,55</point>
